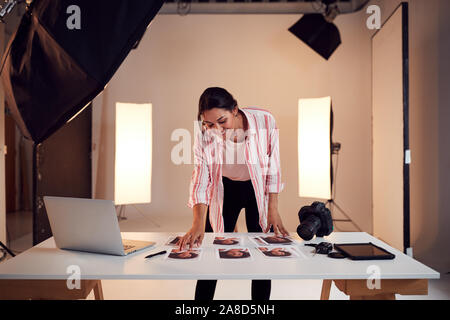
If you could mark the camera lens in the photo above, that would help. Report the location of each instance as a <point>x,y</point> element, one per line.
<point>308,228</point>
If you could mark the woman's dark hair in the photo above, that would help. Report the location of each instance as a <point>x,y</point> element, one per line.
<point>215,97</point>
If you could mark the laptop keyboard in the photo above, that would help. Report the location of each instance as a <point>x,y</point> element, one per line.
<point>127,247</point>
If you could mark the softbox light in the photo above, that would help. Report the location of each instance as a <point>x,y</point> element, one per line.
<point>63,54</point>
<point>314,148</point>
<point>319,34</point>
<point>133,153</point>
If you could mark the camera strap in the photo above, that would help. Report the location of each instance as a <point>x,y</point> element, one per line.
<point>325,248</point>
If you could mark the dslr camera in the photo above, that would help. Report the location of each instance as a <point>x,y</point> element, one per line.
<point>315,220</point>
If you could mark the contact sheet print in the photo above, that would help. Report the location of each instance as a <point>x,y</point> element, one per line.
<point>285,252</point>
<point>230,247</point>
<point>173,240</point>
<point>227,240</point>
<point>271,239</point>
<point>233,254</point>
<point>184,255</point>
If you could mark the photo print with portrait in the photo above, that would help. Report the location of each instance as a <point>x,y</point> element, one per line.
<point>285,252</point>
<point>277,240</point>
<point>233,254</point>
<point>258,241</point>
<point>185,255</point>
<point>173,240</point>
<point>227,241</point>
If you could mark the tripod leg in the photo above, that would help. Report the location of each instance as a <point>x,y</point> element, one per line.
<point>6,249</point>
<point>343,212</point>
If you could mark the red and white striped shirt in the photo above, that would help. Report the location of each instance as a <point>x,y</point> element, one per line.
<point>262,158</point>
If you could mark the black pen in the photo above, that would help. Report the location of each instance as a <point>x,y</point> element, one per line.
<point>155,254</point>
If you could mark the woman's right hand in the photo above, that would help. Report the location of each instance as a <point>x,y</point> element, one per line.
<point>193,237</point>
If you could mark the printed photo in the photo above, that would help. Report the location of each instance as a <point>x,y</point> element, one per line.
<point>177,254</point>
<point>173,240</point>
<point>258,241</point>
<point>227,241</point>
<point>272,239</point>
<point>234,254</point>
<point>280,252</point>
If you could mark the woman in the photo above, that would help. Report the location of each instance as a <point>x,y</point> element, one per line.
<point>236,165</point>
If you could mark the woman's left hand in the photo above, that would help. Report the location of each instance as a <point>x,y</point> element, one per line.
<point>274,219</point>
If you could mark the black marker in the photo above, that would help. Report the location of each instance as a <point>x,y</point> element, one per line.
<point>155,254</point>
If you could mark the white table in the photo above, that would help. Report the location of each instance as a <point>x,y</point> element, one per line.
<point>403,275</point>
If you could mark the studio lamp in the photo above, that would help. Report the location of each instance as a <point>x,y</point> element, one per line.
<point>315,151</point>
<point>133,155</point>
<point>314,145</point>
<point>318,31</point>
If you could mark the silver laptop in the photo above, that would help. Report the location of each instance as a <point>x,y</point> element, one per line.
<point>88,225</point>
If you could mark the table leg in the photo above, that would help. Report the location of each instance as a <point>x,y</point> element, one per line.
<point>387,296</point>
<point>326,287</point>
<point>98,290</point>
<point>359,290</point>
<point>48,290</point>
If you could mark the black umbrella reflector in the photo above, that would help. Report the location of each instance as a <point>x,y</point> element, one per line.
<point>319,34</point>
<point>64,53</point>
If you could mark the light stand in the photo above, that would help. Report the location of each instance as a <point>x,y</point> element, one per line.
<point>5,248</point>
<point>335,148</point>
<point>121,215</point>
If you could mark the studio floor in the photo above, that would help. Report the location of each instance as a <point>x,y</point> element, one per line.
<point>184,289</point>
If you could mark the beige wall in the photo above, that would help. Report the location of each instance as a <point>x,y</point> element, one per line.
<point>429,28</point>
<point>261,64</point>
